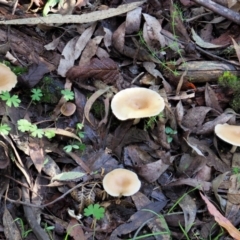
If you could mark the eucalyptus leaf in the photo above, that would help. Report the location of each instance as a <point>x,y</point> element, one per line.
<point>68,176</point>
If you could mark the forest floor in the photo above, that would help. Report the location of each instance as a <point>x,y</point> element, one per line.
<point>61,133</point>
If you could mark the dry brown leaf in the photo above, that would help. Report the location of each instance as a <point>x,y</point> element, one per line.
<point>75,230</point>
<point>237,49</point>
<point>91,100</point>
<point>37,153</point>
<point>11,230</point>
<point>211,99</point>
<point>90,50</point>
<point>133,20</point>
<point>104,69</point>
<point>154,29</point>
<point>220,219</point>
<point>83,18</point>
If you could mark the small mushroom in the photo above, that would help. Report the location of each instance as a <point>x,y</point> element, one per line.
<point>8,79</point>
<point>68,109</point>
<point>121,182</point>
<point>229,134</point>
<point>132,103</point>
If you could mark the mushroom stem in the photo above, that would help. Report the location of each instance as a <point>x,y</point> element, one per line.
<point>136,121</point>
<point>233,149</point>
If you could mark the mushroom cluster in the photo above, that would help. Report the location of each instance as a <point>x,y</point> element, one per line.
<point>8,79</point>
<point>132,103</point>
<point>121,182</point>
<point>229,134</point>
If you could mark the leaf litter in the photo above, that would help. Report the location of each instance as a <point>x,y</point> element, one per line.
<point>55,164</point>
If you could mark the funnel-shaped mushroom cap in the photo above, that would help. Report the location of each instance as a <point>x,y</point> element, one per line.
<point>8,79</point>
<point>137,102</point>
<point>228,133</point>
<point>121,182</point>
<point>68,109</point>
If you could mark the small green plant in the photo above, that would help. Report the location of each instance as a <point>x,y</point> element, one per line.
<point>18,70</point>
<point>71,147</point>
<point>24,232</point>
<point>25,126</point>
<point>170,132</point>
<point>79,127</point>
<point>67,94</point>
<point>163,224</point>
<point>96,211</point>
<point>4,129</point>
<point>150,122</point>
<point>48,229</point>
<point>10,100</point>
<point>231,81</point>
<point>36,94</point>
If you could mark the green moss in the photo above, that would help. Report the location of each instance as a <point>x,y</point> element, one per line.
<point>18,70</point>
<point>232,82</point>
<point>98,109</point>
<point>51,90</point>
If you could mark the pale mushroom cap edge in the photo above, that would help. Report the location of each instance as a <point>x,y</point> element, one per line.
<point>228,133</point>
<point>8,79</point>
<point>121,182</point>
<point>137,102</point>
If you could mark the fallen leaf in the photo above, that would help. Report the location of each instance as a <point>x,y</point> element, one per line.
<point>83,18</point>
<point>91,101</point>
<point>221,220</point>
<point>202,43</point>
<point>90,50</point>
<point>104,69</point>
<point>133,20</point>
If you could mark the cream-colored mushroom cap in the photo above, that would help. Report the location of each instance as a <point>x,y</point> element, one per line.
<point>228,133</point>
<point>68,109</point>
<point>121,182</point>
<point>136,102</point>
<point>8,79</point>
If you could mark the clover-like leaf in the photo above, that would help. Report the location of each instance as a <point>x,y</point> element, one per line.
<point>10,100</point>
<point>95,210</point>
<point>36,132</point>
<point>24,125</point>
<point>37,94</point>
<point>68,94</point>
<point>4,129</point>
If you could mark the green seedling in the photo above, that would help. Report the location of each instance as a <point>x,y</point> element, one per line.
<point>170,132</point>
<point>4,129</point>
<point>79,127</point>
<point>36,94</point>
<point>24,232</point>
<point>10,100</point>
<point>96,211</point>
<point>25,126</point>
<point>67,94</point>
<point>36,132</point>
<point>70,148</point>
<point>48,229</point>
<point>74,146</point>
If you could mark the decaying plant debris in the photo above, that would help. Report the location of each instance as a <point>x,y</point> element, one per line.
<point>62,137</point>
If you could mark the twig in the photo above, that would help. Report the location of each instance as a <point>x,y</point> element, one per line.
<point>31,217</point>
<point>219,9</point>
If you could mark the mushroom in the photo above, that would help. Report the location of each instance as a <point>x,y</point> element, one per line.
<point>68,109</point>
<point>229,134</point>
<point>132,103</point>
<point>121,182</point>
<point>8,79</point>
